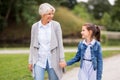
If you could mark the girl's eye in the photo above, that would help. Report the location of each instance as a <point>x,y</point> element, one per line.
<point>83,30</point>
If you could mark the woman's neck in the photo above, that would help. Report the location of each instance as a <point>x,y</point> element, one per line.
<point>44,22</point>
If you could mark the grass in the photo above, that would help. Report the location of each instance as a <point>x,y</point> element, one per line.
<point>107,54</point>
<point>14,66</point>
<point>17,48</point>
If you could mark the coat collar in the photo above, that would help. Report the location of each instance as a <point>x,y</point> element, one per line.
<point>93,47</point>
<point>54,40</point>
<point>91,43</point>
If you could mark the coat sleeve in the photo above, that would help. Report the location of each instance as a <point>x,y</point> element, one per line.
<point>99,64</point>
<point>76,58</point>
<point>30,61</point>
<point>60,41</point>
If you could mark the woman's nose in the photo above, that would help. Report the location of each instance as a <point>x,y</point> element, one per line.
<point>52,15</point>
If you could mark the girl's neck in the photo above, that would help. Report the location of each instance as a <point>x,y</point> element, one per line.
<point>88,40</point>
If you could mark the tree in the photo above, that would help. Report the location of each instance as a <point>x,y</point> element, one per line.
<point>81,11</point>
<point>116,11</point>
<point>110,25</point>
<point>20,11</point>
<point>98,7</point>
<point>16,11</point>
<point>106,21</point>
<point>69,3</point>
<point>116,25</point>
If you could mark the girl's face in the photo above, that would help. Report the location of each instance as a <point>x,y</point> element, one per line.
<point>48,16</point>
<point>86,34</point>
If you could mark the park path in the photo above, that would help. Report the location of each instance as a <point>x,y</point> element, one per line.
<point>24,51</point>
<point>111,70</point>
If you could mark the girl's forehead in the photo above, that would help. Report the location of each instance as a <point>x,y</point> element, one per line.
<point>84,27</point>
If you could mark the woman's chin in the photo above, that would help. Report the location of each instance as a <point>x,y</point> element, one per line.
<point>49,21</point>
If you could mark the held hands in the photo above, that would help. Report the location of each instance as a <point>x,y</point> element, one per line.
<point>62,64</point>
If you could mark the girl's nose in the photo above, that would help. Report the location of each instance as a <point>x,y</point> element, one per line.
<point>81,32</point>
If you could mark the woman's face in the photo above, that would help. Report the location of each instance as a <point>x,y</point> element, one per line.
<point>85,33</point>
<point>48,16</point>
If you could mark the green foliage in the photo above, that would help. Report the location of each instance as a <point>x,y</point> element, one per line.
<point>116,11</point>
<point>17,16</point>
<point>68,3</point>
<point>116,26</point>
<point>71,25</point>
<point>52,2</point>
<point>30,16</point>
<point>104,39</point>
<point>18,11</point>
<point>98,7</point>
<point>106,21</point>
<point>81,11</point>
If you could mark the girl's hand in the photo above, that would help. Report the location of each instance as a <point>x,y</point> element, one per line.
<point>62,64</point>
<point>30,67</point>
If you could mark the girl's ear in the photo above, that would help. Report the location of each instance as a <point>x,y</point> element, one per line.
<point>91,33</point>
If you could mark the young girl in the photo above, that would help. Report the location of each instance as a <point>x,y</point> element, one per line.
<point>89,53</point>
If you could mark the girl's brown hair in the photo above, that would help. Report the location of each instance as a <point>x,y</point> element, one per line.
<point>95,29</point>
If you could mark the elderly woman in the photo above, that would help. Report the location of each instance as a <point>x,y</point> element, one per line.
<point>46,47</point>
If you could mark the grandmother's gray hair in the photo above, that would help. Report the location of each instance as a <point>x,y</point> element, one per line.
<point>45,7</point>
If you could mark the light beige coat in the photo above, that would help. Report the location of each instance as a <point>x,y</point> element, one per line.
<point>56,47</point>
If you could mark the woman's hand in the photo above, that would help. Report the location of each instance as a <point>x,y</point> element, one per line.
<point>30,67</point>
<point>62,64</point>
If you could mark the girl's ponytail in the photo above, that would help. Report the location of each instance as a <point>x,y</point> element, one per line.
<point>95,29</point>
<point>97,33</point>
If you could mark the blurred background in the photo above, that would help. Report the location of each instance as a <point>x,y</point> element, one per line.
<point>17,17</point>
